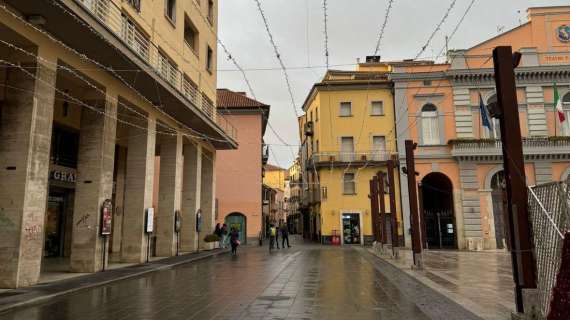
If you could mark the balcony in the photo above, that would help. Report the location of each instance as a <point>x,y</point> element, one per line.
<point>327,159</point>
<point>490,149</point>
<point>315,194</point>
<point>104,32</point>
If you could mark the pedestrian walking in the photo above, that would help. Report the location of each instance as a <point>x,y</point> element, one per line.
<point>224,235</point>
<point>234,241</point>
<point>218,232</point>
<point>272,236</point>
<point>284,236</point>
<point>277,236</point>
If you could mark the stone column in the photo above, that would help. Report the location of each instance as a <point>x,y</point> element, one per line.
<point>96,160</point>
<point>169,194</point>
<point>138,191</point>
<point>207,198</point>
<point>119,201</point>
<point>25,138</point>
<point>191,185</point>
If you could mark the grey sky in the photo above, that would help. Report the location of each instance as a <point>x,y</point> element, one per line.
<point>297,26</point>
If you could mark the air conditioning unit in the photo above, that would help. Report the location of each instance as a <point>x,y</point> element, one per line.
<point>309,129</point>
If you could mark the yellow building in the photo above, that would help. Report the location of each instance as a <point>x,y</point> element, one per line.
<point>275,177</point>
<point>347,135</point>
<point>93,91</point>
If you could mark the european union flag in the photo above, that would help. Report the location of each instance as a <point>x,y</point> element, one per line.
<point>485,116</point>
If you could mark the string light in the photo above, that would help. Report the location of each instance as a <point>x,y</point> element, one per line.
<point>437,28</point>
<point>383,28</point>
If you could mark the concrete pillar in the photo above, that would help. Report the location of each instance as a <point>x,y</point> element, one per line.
<point>25,138</point>
<point>96,160</point>
<point>138,191</point>
<point>169,194</point>
<point>191,185</point>
<point>119,201</point>
<point>207,198</point>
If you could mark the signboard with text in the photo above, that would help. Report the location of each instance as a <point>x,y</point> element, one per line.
<point>149,222</point>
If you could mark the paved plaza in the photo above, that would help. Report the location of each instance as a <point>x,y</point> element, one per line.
<point>305,282</point>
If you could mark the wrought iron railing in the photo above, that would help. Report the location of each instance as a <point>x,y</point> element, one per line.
<point>113,18</point>
<point>550,218</point>
<point>339,156</point>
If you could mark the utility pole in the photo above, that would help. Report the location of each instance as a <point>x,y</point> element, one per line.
<point>524,265</point>
<point>413,196</point>
<point>382,224</point>
<point>374,206</point>
<point>392,189</point>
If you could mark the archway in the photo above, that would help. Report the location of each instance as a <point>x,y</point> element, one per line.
<point>498,185</point>
<point>238,221</point>
<point>438,215</point>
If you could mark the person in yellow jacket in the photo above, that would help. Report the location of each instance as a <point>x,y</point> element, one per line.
<point>272,236</point>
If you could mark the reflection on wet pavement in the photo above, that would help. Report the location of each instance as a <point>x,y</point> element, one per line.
<point>304,282</point>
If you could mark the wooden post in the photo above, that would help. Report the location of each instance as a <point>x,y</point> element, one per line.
<point>374,206</point>
<point>412,193</point>
<point>382,224</point>
<point>524,265</point>
<point>392,189</point>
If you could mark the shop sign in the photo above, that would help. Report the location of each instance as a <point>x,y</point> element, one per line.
<point>149,224</point>
<point>563,33</point>
<point>63,176</point>
<point>106,217</point>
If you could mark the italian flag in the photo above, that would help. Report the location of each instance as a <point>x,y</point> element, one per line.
<point>558,105</point>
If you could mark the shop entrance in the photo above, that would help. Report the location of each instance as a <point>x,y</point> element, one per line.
<point>351,228</point>
<point>55,226</point>
<point>438,215</point>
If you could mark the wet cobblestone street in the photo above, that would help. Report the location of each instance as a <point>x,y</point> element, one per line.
<point>304,282</point>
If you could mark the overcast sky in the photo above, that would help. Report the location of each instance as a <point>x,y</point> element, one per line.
<point>353,27</point>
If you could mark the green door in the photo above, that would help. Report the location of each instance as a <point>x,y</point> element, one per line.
<point>237,221</point>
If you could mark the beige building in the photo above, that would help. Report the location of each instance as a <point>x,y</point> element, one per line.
<point>93,91</point>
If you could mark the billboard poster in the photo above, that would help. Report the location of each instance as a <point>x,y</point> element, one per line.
<point>106,217</point>
<point>149,227</point>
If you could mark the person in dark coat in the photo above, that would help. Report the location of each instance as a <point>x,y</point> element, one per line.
<point>284,236</point>
<point>234,240</point>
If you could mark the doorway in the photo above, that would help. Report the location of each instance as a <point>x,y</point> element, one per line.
<point>239,222</point>
<point>351,232</point>
<point>498,185</point>
<point>438,214</point>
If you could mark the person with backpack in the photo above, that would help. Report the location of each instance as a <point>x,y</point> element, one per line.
<point>272,236</point>
<point>234,241</point>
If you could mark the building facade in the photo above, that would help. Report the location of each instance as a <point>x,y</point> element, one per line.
<point>347,135</point>
<point>294,217</point>
<point>460,161</point>
<point>239,172</point>
<point>95,90</point>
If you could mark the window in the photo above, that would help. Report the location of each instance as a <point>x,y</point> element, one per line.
<point>430,125</point>
<point>377,108</point>
<point>317,147</point>
<point>349,185</point>
<point>191,35</point>
<point>209,59</point>
<point>378,148</point>
<point>346,109</point>
<point>211,11</point>
<point>347,149</point>
<point>136,4</point>
<point>427,83</point>
<point>170,10</point>
<point>317,114</point>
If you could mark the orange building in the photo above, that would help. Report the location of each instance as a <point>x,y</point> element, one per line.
<point>459,161</point>
<point>239,172</point>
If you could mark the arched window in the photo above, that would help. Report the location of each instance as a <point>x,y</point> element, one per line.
<point>430,125</point>
<point>491,104</point>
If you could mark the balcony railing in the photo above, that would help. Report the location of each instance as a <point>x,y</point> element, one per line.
<point>112,17</point>
<point>491,147</point>
<point>366,156</point>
